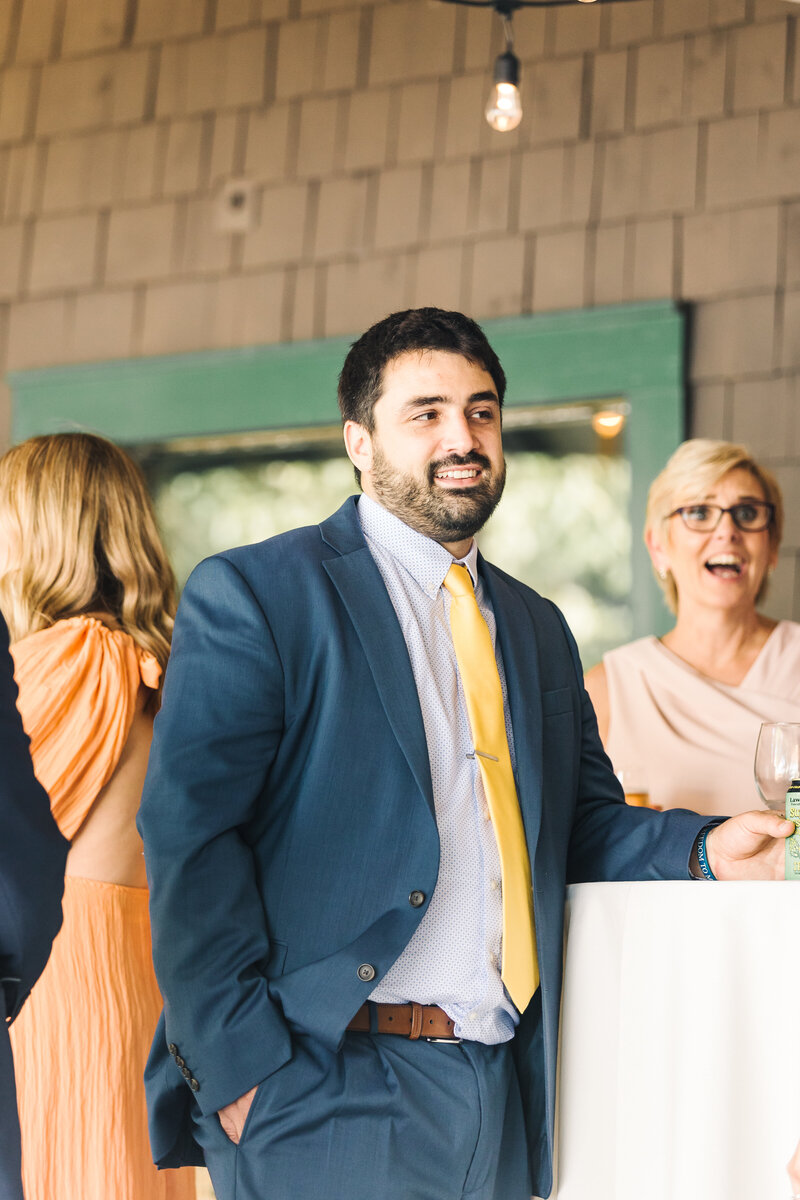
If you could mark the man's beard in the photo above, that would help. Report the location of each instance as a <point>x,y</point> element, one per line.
<point>443,514</point>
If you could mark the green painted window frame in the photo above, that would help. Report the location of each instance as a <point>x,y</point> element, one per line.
<point>633,351</point>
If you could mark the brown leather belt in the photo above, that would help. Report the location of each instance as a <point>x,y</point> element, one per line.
<point>408,1020</point>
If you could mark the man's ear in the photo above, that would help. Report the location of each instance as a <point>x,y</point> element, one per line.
<point>358,444</point>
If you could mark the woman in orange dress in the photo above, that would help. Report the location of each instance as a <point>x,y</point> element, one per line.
<point>89,597</point>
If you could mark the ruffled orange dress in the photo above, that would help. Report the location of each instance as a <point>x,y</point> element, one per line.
<point>82,1039</point>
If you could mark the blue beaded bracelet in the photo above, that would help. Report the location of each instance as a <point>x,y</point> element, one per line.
<point>702,857</point>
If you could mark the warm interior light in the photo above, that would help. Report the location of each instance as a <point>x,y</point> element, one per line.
<point>504,108</point>
<point>607,424</point>
<point>586,1</point>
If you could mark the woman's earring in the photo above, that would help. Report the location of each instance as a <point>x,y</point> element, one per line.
<point>662,573</point>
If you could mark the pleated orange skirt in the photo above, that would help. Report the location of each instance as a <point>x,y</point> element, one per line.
<point>80,1046</point>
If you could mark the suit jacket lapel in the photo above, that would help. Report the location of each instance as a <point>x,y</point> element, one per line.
<point>517,638</point>
<point>362,591</point>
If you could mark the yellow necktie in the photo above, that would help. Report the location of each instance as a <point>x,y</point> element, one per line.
<point>481,683</point>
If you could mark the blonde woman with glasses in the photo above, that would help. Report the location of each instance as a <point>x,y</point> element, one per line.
<point>685,710</point>
<point>89,597</point>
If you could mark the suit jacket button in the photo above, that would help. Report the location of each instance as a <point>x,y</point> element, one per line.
<point>366,972</point>
<point>416,899</point>
<point>186,1073</point>
<point>173,1049</point>
<point>180,1061</point>
<point>194,1085</point>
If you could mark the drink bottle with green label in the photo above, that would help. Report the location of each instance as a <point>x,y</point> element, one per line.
<point>793,842</point>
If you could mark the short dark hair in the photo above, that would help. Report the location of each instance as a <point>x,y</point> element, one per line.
<point>361,378</point>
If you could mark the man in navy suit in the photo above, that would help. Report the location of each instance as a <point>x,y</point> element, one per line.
<point>32,858</point>
<point>327,896</point>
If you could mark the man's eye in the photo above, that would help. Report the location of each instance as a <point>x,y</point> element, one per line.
<point>482,414</point>
<point>430,415</point>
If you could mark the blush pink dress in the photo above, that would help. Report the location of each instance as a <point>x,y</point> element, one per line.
<point>695,738</point>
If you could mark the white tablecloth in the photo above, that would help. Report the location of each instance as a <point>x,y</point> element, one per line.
<point>680,1044</point>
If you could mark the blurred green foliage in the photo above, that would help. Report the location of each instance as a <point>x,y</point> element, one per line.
<point>563,528</point>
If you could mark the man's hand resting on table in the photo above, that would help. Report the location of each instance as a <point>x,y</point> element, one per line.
<point>749,846</point>
<point>233,1116</point>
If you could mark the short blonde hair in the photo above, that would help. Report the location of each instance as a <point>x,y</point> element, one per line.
<point>696,466</point>
<point>82,537</point>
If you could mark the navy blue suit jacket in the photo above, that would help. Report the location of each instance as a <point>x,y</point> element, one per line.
<point>32,858</point>
<point>288,814</point>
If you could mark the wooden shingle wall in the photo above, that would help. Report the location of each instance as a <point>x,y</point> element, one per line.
<point>659,156</point>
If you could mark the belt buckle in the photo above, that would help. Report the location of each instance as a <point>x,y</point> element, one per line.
<point>417,1011</point>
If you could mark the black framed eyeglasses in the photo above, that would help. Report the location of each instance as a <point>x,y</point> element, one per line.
<point>751,516</point>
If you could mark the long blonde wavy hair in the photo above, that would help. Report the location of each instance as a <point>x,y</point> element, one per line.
<point>80,537</point>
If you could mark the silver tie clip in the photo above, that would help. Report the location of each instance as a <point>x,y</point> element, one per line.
<point>483,754</point>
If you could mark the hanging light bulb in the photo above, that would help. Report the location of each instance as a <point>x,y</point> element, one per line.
<point>504,108</point>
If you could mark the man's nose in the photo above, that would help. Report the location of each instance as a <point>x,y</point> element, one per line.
<point>459,435</point>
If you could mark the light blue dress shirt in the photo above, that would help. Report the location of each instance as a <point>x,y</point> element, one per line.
<point>454,957</point>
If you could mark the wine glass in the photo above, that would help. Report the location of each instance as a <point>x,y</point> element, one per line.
<point>777,762</point>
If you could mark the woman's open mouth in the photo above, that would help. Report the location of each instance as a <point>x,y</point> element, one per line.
<point>725,566</point>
